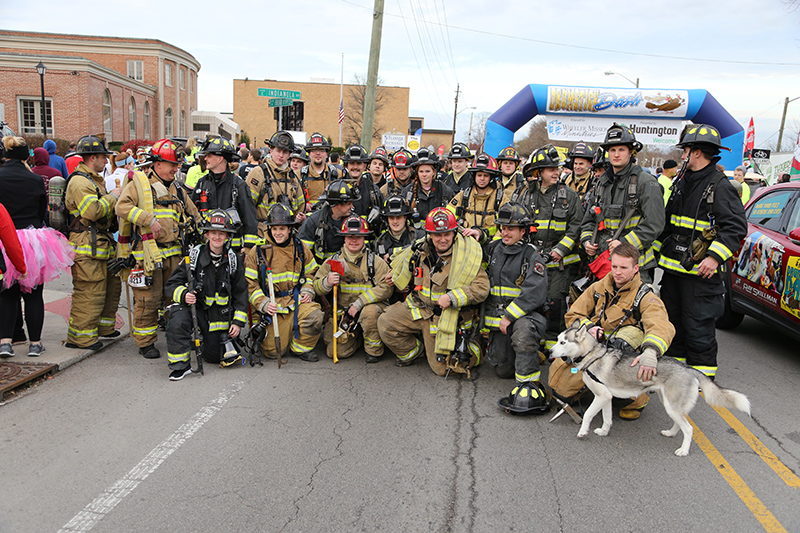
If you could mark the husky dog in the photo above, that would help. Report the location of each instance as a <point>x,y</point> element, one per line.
<point>608,372</point>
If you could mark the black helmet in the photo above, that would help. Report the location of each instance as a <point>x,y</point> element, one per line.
<point>508,154</point>
<point>318,141</point>
<point>379,153</point>
<point>600,158</point>
<point>582,150</point>
<point>219,146</point>
<point>354,225</point>
<point>514,214</point>
<point>426,157</point>
<point>617,135</point>
<point>355,153</point>
<point>92,145</point>
<point>281,139</point>
<point>525,398</point>
<point>340,191</point>
<point>299,153</point>
<point>459,151</point>
<point>395,206</point>
<point>403,159</point>
<point>219,220</point>
<point>701,136</point>
<point>544,157</point>
<point>280,215</point>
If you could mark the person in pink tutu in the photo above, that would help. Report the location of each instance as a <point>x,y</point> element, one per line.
<point>46,251</point>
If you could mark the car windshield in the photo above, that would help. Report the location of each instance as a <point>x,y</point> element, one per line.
<point>766,211</point>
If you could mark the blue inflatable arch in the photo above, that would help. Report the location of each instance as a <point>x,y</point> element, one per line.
<point>700,107</point>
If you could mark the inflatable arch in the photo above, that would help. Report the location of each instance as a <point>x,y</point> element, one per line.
<point>593,109</point>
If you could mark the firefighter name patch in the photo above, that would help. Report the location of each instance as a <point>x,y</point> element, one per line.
<point>539,268</point>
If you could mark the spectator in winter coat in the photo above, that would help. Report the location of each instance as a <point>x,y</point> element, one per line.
<point>41,166</point>
<point>56,161</point>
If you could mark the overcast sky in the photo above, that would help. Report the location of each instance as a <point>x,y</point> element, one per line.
<point>751,49</point>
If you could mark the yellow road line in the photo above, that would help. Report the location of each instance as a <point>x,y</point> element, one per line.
<point>756,506</point>
<point>774,463</point>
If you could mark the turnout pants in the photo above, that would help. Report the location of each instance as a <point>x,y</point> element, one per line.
<point>558,282</point>
<point>348,344</point>
<point>180,340</point>
<point>517,354</point>
<point>148,300</point>
<point>309,321</point>
<point>95,299</point>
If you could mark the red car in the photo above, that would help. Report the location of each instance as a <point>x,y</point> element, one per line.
<point>763,278</point>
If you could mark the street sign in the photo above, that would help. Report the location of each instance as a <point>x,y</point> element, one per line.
<point>280,102</point>
<point>279,93</point>
<point>760,153</point>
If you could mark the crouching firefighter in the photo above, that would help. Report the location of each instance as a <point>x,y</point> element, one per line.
<point>292,267</point>
<point>152,211</point>
<point>515,309</point>
<point>211,281</point>
<point>365,292</point>
<point>447,283</point>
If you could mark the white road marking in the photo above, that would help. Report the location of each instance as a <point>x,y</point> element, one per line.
<point>112,496</point>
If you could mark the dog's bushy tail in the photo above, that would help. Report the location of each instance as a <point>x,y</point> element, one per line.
<point>722,397</point>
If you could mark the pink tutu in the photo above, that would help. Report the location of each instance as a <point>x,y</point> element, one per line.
<point>47,254</point>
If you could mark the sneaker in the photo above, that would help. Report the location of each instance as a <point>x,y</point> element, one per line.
<point>177,375</point>
<point>150,352</point>
<point>35,350</point>
<point>112,335</point>
<point>6,350</point>
<point>95,346</point>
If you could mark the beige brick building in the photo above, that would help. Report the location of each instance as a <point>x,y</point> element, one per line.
<point>127,88</point>
<point>316,110</point>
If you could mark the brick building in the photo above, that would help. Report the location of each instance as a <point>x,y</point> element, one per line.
<point>128,88</point>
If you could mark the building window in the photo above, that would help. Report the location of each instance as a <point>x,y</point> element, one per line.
<point>168,74</point>
<point>201,127</point>
<point>147,120</point>
<point>191,86</point>
<point>136,70</point>
<point>132,119</point>
<point>31,113</point>
<point>107,121</point>
<point>183,123</point>
<point>168,123</point>
<point>182,78</point>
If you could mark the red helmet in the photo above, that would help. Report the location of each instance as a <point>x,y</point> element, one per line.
<point>440,220</point>
<point>485,163</point>
<point>354,225</point>
<point>164,150</point>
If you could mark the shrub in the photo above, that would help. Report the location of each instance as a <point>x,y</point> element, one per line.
<point>37,141</point>
<point>134,145</point>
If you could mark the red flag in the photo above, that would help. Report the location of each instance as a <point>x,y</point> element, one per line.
<point>750,139</point>
<point>341,111</point>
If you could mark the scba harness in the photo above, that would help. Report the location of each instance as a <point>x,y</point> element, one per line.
<point>299,256</point>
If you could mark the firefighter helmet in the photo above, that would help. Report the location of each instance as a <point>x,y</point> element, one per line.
<point>485,163</point>
<point>164,150</point>
<point>508,154</point>
<point>299,153</point>
<point>379,153</point>
<point>582,150</point>
<point>355,154</point>
<point>340,192</point>
<point>218,220</point>
<point>544,157</point>
<point>317,141</point>
<point>600,158</point>
<point>219,146</point>
<point>440,220</point>
<point>395,206</point>
<point>426,157</point>
<point>525,398</point>
<point>281,139</point>
<point>514,214</point>
<point>459,151</point>
<point>403,159</point>
<point>354,225</point>
<point>618,135</point>
<point>280,215</point>
<point>701,136</point>
<point>92,145</point>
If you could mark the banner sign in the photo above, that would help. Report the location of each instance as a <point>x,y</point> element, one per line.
<point>393,141</point>
<point>414,142</point>
<point>593,129</point>
<point>605,101</point>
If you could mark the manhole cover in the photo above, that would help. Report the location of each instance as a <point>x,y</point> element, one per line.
<point>13,375</point>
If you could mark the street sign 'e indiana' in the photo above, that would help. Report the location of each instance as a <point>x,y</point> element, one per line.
<point>279,93</point>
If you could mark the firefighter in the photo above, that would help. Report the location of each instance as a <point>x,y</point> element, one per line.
<point>297,160</point>
<point>400,231</point>
<point>446,280</point>
<point>510,176</point>
<point>212,280</point>
<point>628,204</point>
<point>369,201</point>
<point>319,173</point>
<point>580,158</point>
<point>92,223</point>
<point>320,230</point>
<point>705,224</point>
<point>273,181</point>
<point>378,165</point>
<point>476,206</point>
<point>402,173</point>
<point>426,191</point>
<point>557,215</point>
<point>293,266</point>
<point>363,292</point>
<point>220,189</point>
<point>153,213</point>
<point>515,309</point>
<point>459,157</point>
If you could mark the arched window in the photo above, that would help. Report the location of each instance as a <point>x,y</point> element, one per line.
<point>107,128</point>
<point>132,119</point>
<point>147,120</point>
<point>183,123</point>
<point>168,123</point>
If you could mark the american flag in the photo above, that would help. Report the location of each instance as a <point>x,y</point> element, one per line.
<point>341,111</point>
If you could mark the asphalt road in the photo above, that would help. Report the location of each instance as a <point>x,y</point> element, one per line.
<point>111,445</point>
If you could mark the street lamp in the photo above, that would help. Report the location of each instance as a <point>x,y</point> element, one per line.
<point>41,69</point>
<point>636,83</point>
<point>783,120</point>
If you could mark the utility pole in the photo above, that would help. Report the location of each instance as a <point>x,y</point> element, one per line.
<point>783,120</point>
<point>455,113</point>
<point>372,77</point>
<point>341,101</point>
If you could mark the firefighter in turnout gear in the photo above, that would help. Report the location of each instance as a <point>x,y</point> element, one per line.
<point>400,232</point>
<point>220,189</point>
<point>274,182</point>
<point>369,201</point>
<point>476,206</point>
<point>557,215</point>
<point>627,204</point>
<point>447,283</point>
<point>426,191</point>
<point>92,223</point>
<point>516,306</point>
<point>402,173</point>
<point>212,280</point>
<point>378,166</point>
<point>580,160</point>
<point>458,177</point>
<point>705,224</point>
<point>363,289</point>
<point>510,175</point>
<point>319,173</point>
<point>153,213</point>
<point>293,267</point>
<point>320,231</point>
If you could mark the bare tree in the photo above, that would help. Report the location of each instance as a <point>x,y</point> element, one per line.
<point>477,135</point>
<point>536,138</point>
<point>354,112</point>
